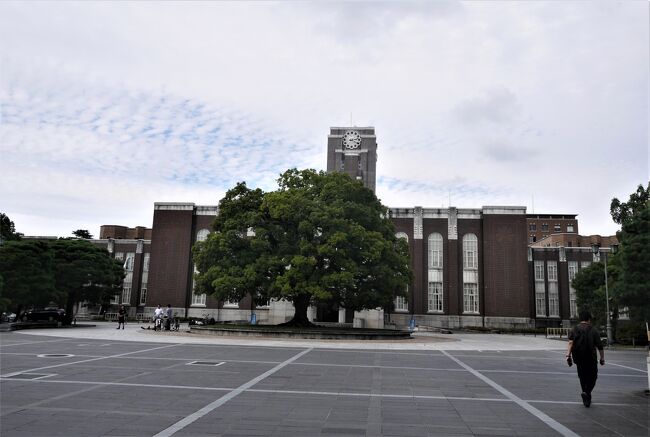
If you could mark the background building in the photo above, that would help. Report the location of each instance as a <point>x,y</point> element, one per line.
<point>541,226</point>
<point>472,267</point>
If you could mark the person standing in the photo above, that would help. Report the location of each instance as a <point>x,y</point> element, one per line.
<point>157,318</point>
<point>169,314</point>
<point>121,316</point>
<point>584,339</point>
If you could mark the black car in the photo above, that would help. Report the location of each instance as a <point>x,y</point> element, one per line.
<point>8,317</point>
<point>46,314</point>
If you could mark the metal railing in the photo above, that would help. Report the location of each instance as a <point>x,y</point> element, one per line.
<point>557,332</point>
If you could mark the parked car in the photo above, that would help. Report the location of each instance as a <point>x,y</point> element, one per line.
<point>8,318</point>
<point>48,314</point>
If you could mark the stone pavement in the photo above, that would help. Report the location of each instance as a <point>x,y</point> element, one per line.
<point>104,382</point>
<point>421,340</point>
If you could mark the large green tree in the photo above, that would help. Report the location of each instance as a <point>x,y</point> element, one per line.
<point>82,233</point>
<point>632,290</point>
<point>7,229</point>
<point>63,272</point>
<point>589,284</point>
<point>319,237</point>
<point>27,269</point>
<point>84,272</point>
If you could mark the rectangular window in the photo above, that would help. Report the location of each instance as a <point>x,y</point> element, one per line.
<point>553,296</point>
<point>119,256</point>
<point>128,264</point>
<point>624,313</point>
<point>435,297</point>
<point>540,289</point>
<point>198,299</point>
<point>540,298</point>
<point>470,298</point>
<point>573,307</point>
<point>532,227</point>
<point>551,266</point>
<point>585,264</point>
<point>143,287</point>
<point>126,296</point>
<point>401,304</point>
<point>569,228</point>
<point>544,227</point>
<point>145,262</point>
<point>115,300</point>
<point>553,300</point>
<point>539,270</point>
<point>557,227</point>
<point>230,304</point>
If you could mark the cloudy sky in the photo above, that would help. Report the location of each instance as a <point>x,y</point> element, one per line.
<point>109,107</point>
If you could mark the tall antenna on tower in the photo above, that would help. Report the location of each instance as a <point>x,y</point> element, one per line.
<point>533,203</point>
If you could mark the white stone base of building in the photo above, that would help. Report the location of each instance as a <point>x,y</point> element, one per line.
<point>371,319</point>
<point>440,321</point>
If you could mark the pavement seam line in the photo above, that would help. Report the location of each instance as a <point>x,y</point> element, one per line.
<point>86,361</point>
<point>554,424</point>
<point>625,367</point>
<point>33,342</point>
<point>300,392</point>
<point>173,429</point>
<point>65,395</point>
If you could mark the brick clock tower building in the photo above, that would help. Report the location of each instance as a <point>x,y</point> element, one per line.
<point>353,150</point>
<point>472,266</point>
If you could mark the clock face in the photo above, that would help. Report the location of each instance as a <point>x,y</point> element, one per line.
<point>351,140</point>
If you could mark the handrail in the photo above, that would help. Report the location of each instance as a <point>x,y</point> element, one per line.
<point>557,332</point>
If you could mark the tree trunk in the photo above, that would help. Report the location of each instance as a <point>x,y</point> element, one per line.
<point>300,320</point>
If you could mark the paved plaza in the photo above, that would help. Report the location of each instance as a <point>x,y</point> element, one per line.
<point>98,381</point>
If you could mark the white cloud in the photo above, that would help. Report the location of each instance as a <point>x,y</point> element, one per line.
<point>118,105</point>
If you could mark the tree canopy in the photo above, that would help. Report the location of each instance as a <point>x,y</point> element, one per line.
<point>62,271</point>
<point>632,290</point>
<point>627,270</point>
<point>84,272</point>
<point>7,229</point>
<point>318,237</point>
<point>27,269</point>
<point>82,233</point>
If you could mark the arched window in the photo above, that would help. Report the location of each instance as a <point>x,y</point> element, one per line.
<point>470,274</point>
<point>401,303</point>
<point>470,251</point>
<point>435,251</point>
<point>435,274</point>
<point>202,235</point>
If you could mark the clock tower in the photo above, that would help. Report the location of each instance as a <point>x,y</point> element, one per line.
<point>353,150</point>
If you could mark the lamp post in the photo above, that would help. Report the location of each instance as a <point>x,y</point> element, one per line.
<point>613,249</point>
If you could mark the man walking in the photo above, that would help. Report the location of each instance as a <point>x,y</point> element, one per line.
<point>584,339</point>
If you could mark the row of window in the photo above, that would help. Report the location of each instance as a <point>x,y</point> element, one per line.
<point>435,289</point>
<point>557,227</point>
<point>127,284</point>
<point>551,294</point>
